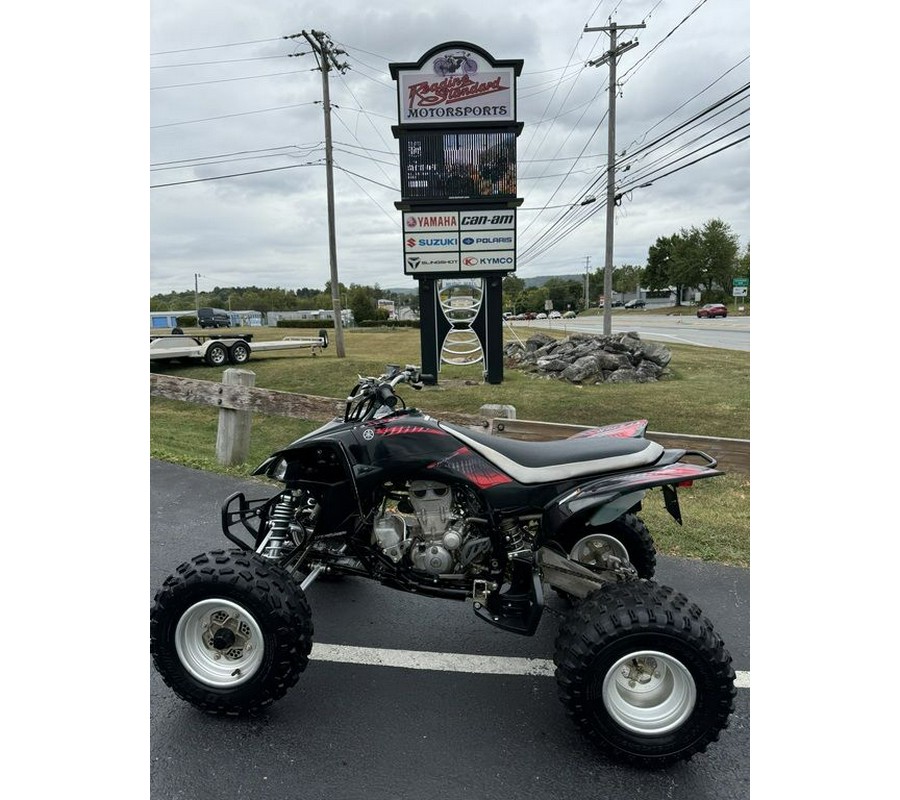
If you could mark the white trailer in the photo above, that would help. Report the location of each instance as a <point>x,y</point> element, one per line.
<point>219,349</point>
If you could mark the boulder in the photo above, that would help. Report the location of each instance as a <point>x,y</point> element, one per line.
<point>587,358</point>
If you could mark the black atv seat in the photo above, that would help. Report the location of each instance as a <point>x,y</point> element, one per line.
<point>549,462</point>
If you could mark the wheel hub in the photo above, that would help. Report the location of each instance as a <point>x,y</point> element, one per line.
<point>600,550</point>
<point>649,693</point>
<point>228,634</point>
<point>219,642</point>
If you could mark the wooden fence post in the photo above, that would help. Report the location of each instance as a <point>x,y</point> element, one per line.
<point>233,436</point>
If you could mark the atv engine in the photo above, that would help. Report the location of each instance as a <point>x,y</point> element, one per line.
<point>435,537</point>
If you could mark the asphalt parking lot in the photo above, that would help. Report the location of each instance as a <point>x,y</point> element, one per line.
<point>354,727</point>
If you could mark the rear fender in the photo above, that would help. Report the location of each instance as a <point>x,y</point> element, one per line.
<point>615,508</point>
<point>635,429</point>
<point>606,497</point>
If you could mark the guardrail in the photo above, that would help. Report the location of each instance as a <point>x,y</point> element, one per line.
<point>237,399</point>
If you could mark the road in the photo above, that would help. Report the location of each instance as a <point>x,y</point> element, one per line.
<point>730,333</point>
<point>356,730</point>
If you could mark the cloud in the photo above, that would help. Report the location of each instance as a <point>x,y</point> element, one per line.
<point>241,105</point>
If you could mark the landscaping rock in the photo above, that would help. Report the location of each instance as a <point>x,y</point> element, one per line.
<point>586,358</point>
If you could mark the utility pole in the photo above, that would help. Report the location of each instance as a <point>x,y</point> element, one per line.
<point>326,56</point>
<point>587,282</point>
<point>611,56</point>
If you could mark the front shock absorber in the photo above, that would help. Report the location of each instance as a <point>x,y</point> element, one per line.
<point>279,527</point>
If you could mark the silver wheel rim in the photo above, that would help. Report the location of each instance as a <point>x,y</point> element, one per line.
<point>219,643</point>
<point>597,549</point>
<point>649,693</point>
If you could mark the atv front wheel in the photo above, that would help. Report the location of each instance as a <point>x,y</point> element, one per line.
<point>643,674</point>
<point>229,632</point>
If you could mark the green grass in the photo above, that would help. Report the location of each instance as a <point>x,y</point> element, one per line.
<point>708,393</point>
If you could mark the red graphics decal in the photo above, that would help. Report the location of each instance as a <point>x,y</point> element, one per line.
<point>620,430</point>
<point>674,471</point>
<point>398,430</point>
<point>473,468</point>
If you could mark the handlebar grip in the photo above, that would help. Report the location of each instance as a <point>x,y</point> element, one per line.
<point>386,396</point>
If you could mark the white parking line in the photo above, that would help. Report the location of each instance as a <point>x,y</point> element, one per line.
<point>449,662</point>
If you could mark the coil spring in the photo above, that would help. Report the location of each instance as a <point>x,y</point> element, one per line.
<point>279,526</point>
<point>513,534</point>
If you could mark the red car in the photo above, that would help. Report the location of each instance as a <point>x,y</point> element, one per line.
<point>711,310</point>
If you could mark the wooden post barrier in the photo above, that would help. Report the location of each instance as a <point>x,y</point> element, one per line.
<point>233,435</point>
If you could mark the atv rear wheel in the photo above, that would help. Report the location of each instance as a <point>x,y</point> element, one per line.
<point>643,674</point>
<point>590,543</point>
<point>229,632</point>
<point>626,537</point>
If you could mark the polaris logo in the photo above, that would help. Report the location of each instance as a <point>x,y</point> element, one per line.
<point>488,240</point>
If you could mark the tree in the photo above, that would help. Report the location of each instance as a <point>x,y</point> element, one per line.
<point>360,302</point>
<point>660,259</point>
<point>627,278</point>
<point>564,293</point>
<point>720,255</point>
<point>513,289</point>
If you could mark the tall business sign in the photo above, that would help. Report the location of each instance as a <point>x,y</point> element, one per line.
<point>457,131</point>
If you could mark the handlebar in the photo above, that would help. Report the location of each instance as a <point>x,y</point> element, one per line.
<point>373,396</point>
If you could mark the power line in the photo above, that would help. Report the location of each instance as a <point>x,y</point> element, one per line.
<point>213,47</point>
<point>184,161</point>
<point>238,114</point>
<point>235,175</point>
<point>225,80</point>
<point>224,61</point>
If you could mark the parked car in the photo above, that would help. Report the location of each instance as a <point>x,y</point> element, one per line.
<point>635,304</point>
<point>711,310</point>
<point>570,315</point>
<point>213,318</point>
<point>554,315</point>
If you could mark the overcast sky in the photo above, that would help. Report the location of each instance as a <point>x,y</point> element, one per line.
<point>229,97</point>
